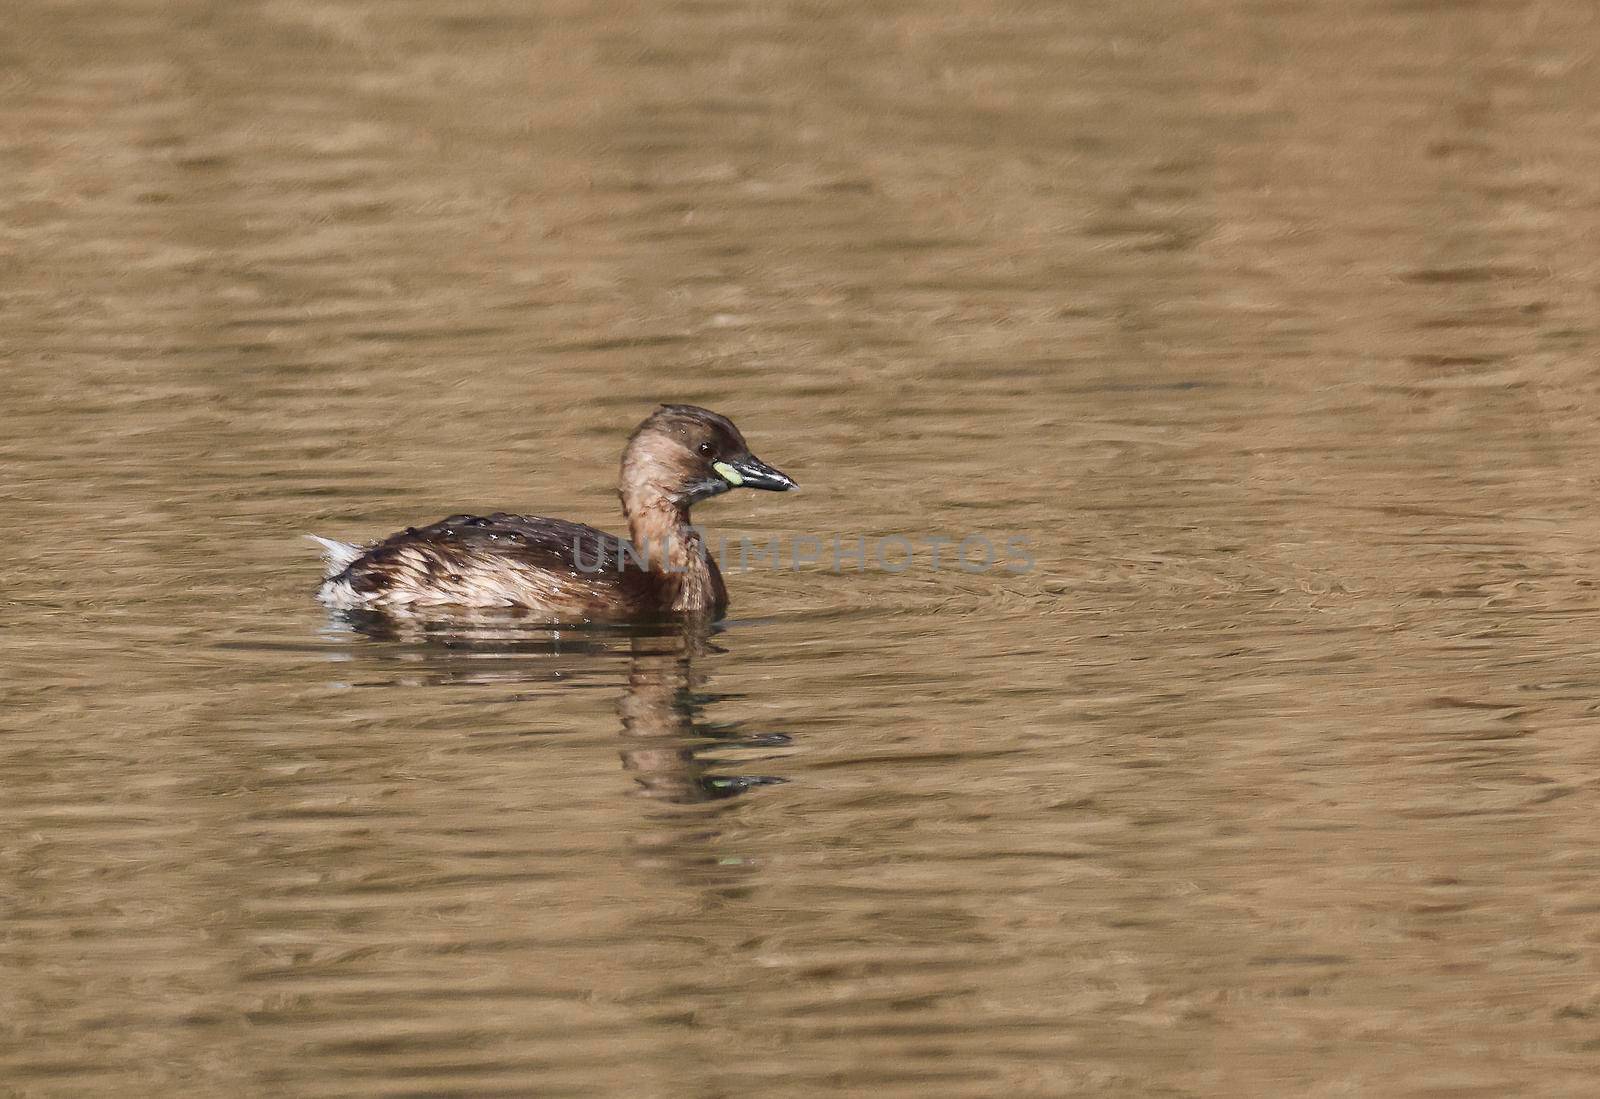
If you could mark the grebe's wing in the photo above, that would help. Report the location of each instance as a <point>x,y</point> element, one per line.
<point>496,560</point>
<point>533,540</point>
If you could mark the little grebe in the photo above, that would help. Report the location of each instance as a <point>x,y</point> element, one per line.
<point>569,572</point>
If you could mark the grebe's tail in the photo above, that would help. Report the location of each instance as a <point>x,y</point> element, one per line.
<point>336,556</point>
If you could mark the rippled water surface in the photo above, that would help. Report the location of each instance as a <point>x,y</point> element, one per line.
<point>1270,324</point>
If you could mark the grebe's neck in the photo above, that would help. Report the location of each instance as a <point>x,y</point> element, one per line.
<point>676,553</point>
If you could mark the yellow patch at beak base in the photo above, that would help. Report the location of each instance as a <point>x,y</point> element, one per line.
<point>728,473</point>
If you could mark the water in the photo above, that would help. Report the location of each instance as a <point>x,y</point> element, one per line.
<point>1270,324</point>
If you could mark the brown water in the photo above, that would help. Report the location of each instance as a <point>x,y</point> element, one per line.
<point>1271,324</point>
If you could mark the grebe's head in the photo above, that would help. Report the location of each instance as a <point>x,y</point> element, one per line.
<point>683,454</point>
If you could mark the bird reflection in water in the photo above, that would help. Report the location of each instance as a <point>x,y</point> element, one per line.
<point>661,721</point>
<point>671,750</point>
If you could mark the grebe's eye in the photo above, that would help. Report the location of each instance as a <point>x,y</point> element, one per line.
<point>706,450</point>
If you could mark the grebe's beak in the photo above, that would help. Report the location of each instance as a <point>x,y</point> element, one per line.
<point>752,472</point>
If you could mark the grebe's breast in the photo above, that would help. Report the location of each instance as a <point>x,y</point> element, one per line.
<point>556,569</point>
